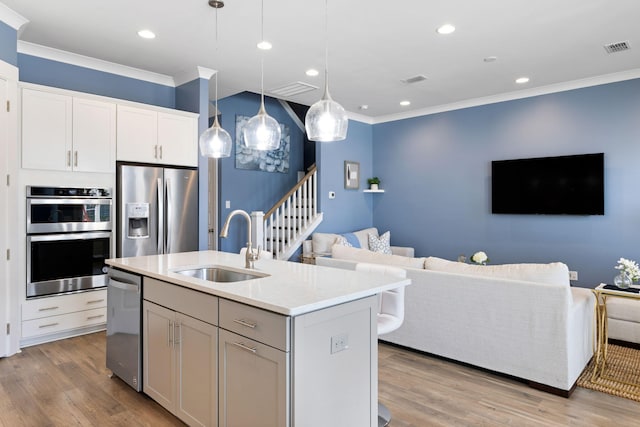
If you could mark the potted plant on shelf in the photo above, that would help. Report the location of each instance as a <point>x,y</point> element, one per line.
<point>373,183</point>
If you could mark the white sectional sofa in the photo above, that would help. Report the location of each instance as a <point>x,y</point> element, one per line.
<point>320,243</point>
<point>523,320</point>
<point>624,319</point>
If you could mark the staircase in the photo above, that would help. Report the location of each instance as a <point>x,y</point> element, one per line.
<point>292,220</point>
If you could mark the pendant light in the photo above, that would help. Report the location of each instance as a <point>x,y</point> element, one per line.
<point>326,120</point>
<point>215,142</point>
<point>262,132</point>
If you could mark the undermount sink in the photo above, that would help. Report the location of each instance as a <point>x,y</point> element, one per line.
<point>220,274</point>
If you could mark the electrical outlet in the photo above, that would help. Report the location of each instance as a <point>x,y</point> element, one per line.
<point>573,275</point>
<point>339,343</point>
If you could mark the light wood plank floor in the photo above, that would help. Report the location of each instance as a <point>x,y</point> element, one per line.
<point>66,383</point>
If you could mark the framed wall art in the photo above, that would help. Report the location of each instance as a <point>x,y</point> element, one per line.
<point>351,175</point>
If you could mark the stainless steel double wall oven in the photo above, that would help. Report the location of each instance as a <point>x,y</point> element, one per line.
<point>68,239</point>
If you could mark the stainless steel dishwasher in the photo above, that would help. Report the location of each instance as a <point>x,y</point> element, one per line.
<point>124,351</point>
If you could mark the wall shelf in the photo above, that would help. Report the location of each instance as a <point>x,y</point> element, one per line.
<point>374,191</point>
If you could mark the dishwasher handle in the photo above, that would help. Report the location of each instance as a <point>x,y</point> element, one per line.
<point>123,285</point>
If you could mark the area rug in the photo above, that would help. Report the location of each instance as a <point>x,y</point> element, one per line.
<point>623,366</point>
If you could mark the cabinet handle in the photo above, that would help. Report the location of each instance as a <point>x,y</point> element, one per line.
<point>69,158</point>
<point>245,347</point>
<point>48,325</point>
<point>95,301</point>
<point>169,333</point>
<point>177,336</point>
<point>75,158</point>
<point>95,317</point>
<point>247,323</point>
<point>161,152</point>
<point>49,308</point>
<point>155,154</point>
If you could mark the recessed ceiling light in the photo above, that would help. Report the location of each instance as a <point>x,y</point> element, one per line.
<point>522,80</point>
<point>490,59</point>
<point>405,103</point>
<point>264,45</point>
<point>364,107</point>
<point>445,29</point>
<point>147,34</point>
<point>312,72</point>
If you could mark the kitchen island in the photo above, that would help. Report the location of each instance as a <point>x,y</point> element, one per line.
<point>294,345</point>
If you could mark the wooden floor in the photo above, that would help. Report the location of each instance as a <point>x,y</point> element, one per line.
<point>65,383</point>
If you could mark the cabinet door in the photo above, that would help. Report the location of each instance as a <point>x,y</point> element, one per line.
<point>158,354</point>
<point>178,139</point>
<point>137,132</point>
<point>197,373</point>
<point>94,136</point>
<point>253,383</point>
<point>46,130</point>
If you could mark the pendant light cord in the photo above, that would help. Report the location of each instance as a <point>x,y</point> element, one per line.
<point>262,57</point>
<point>216,112</point>
<point>326,49</point>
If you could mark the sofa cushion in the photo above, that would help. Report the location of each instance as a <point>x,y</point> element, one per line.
<point>364,255</point>
<point>623,309</point>
<point>380,244</point>
<point>555,273</point>
<point>322,242</point>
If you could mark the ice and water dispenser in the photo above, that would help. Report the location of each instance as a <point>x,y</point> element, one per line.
<point>137,220</point>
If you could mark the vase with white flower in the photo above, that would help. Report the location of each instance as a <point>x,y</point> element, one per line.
<point>480,258</point>
<point>629,273</point>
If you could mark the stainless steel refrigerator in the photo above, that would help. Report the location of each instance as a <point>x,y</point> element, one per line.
<point>157,210</point>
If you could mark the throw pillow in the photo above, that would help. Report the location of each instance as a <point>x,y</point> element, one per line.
<point>380,244</point>
<point>342,241</point>
<point>350,239</point>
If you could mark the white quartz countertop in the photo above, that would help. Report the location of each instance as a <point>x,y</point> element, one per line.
<point>290,288</point>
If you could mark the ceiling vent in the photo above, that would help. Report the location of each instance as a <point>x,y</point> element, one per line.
<point>617,47</point>
<point>414,79</point>
<point>291,89</point>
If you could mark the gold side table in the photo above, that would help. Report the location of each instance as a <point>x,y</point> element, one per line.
<point>602,325</point>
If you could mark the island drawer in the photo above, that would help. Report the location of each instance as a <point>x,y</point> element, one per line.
<point>184,300</point>
<point>254,323</point>
<point>64,322</point>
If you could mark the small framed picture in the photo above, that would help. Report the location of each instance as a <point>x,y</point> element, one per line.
<point>351,175</point>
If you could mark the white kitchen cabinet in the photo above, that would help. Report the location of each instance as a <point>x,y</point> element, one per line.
<point>180,353</point>
<point>151,136</point>
<point>65,133</point>
<point>46,319</point>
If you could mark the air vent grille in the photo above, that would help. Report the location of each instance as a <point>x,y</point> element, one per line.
<point>291,89</point>
<point>617,47</point>
<point>414,79</point>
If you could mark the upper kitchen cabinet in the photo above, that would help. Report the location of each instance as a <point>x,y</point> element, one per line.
<point>64,133</point>
<point>152,136</point>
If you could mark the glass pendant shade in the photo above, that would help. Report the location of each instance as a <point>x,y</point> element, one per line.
<point>262,132</point>
<point>215,141</point>
<point>326,120</point>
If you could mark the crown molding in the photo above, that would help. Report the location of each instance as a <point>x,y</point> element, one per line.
<point>361,118</point>
<point>12,18</point>
<point>191,75</point>
<point>46,52</point>
<point>510,96</point>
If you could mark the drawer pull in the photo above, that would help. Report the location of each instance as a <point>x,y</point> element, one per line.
<point>48,308</point>
<point>246,323</point>
<point>95,317</point>
<point>95,301</point>
<point>48,325</point>
<point>245,347</point>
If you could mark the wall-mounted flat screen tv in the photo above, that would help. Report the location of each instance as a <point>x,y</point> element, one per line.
<point>564,185</point>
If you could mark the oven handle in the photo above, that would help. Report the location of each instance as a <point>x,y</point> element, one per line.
<point>39,201</point>
<point>68,236</point>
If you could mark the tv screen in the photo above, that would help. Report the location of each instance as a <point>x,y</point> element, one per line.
<point>564,185</point>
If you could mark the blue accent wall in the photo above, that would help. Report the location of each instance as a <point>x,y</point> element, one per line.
<point>251,190</point>
<point>8,44</point>
<point>351,209</point>
<point>436,172</point>
<point>46,72</point>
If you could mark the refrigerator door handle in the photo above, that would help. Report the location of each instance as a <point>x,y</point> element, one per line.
<point>168,213</point>
<point>160,217</point>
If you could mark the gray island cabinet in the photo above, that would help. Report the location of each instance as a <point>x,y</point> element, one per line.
<point>296,346</point>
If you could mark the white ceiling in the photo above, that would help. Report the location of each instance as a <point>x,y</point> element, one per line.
<point>373,45</point>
